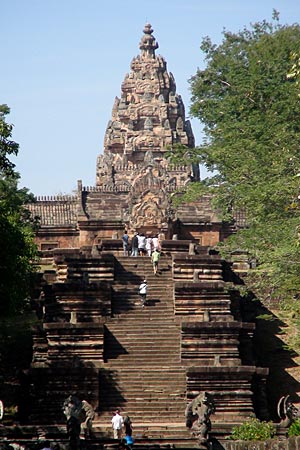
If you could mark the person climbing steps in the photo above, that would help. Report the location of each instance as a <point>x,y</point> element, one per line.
<point>143,292</point>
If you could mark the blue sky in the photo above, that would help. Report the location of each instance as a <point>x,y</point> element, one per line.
<point>63,62</point>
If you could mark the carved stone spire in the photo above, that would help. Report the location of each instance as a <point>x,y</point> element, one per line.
<point>149,116</point>
<point>148,44</point>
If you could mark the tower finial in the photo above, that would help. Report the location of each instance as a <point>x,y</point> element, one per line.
<point>148,44</point>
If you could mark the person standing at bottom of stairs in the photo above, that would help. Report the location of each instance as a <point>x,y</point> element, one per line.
<point>143,292</point>
<point>128,426</point>
<point>117,424</point>
<point>128,441</point>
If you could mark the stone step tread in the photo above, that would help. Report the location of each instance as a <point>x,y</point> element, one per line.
<point>145,349</point>
<point>137,318</point>
<point>164,369</point>
<point>179,424</point>
<point>145,340</point>
<point>131,289</point>
<point>136,332</point>
<point>134,325</point>
<point>150,398</point>
<point>142,357</point>
<point>160,316</point>
<point>139,358</point>
<point>138,315</point>
<point>153,303</point>
<point>149,385</point>
<point>130,286</point>
<point>146,344</point>
<point>125,362</point>
<point>122,362</point>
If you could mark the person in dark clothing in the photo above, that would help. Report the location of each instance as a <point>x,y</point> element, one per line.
<point>128,441</point>
<point>128,426</point>
<point>125,240</point>
<point>134,245</point>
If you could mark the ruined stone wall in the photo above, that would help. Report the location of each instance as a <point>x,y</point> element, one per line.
<point>57,216</point>
<point>48,238</point>
<point>292,443</point>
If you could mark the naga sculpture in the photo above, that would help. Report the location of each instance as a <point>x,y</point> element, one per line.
<point>197,415</point>
<point>80,415</point>
<point>287,411</point>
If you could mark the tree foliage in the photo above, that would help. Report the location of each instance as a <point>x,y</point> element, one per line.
<point>294,429</point>
<point>248,101</point>
<point>17,249</point>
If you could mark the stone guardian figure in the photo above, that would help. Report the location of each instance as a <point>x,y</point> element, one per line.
<point>197,415</point>
<point>80,415</point>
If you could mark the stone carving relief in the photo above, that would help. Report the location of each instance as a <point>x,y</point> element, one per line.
<point>79,415</point>
<point>148,202</point>
<point>147,213</point>
<point>104,168</point>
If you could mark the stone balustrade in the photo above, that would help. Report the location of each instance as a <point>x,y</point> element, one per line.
<point>230,387</point>
<point>197,268</point>
<point>212,343</point>
<point>200,299</point>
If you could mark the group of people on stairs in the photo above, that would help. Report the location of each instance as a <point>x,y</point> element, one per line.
<point>140,245</point>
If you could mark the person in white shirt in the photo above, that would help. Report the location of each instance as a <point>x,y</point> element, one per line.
<point>155,242</point>
<point>149,245</point>
<point>142,244</point>
<point>143,292</point>
<point>117,424</point>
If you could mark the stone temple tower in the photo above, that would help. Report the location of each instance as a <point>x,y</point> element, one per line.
<point>135,179</point>
<point>147,120</point>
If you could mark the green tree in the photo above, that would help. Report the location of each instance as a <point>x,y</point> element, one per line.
<point>250,109</point>
<point>17,249</point>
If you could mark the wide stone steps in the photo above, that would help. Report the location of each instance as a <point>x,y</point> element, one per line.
<point>142,347</point>
<point>125,299</point>
<point>160,431</point>
<point>142,353</point>
<point>146,347</point>
<point>137,329</point>
<point>136,269</point>
<point>151,311</point>
<point>149,393</point>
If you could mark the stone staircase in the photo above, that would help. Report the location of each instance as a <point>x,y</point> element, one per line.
<point>149,362</point>
<point>142,353</point>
